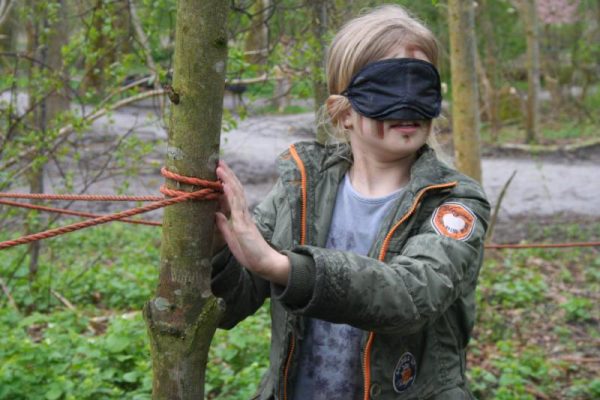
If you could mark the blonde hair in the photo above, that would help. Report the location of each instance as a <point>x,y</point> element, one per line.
<point>368,38</point>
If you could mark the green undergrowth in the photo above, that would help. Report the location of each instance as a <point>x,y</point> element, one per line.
<point>536,335</point>
<point>537,329</point>
<point>99,349</point>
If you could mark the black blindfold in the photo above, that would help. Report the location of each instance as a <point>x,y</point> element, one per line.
<point>396,89</point>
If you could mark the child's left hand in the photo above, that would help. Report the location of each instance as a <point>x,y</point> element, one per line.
<point>241,234</point>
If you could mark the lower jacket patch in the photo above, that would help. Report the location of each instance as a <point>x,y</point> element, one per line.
<point>405,372</point>
<point>453,220</point>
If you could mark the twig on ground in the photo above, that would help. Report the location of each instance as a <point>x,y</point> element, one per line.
<point>63,300</point>
<point>536,393</point>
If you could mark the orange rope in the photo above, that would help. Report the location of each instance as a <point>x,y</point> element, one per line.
<point>71,212</point>
<point>78,197</point>
<point>210,191</point>
<point>216,186</point>
<point>541,245</point>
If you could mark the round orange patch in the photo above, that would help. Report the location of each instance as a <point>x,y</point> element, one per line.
<point>454,220</point>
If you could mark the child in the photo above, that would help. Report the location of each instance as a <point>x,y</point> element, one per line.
<point>369,250</point>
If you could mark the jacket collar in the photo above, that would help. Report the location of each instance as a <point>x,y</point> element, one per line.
<point>427,169</point>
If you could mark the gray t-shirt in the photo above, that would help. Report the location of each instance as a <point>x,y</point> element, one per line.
<point>329,360</point>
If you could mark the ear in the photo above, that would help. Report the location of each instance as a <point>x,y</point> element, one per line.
<point>331,102</point>
<point>333,106</point>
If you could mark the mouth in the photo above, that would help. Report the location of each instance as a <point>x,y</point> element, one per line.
<point>405,126</point>
<point>400,124</point>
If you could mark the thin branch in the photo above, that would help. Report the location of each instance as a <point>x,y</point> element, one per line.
<point>122,90</point>
<point>6,291</point>
<point>5,7</point>
<point>493,219</point>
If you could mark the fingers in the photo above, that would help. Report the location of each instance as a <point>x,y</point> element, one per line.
<point>230,238</point>
<point>223,206</point>
<point>235,199</point>
<point>228,173</point>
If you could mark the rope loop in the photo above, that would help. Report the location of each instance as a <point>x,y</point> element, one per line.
<point>210,189</point>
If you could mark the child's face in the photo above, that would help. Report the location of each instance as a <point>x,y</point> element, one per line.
<point>390,139</point>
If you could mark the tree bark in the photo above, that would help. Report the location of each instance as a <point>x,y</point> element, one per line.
<point>465,107</point>
<point>533,70</point>
<point>319,24</point>
<point>256,44</point>
<point>491,66</point>
<point>58,36</point>
<point>183,315</point>
<point>8,25</point>
<point>48,49</point>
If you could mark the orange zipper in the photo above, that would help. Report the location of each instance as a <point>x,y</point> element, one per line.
<point>286,369</point>
<point>384,249</point>
<point>300,165</point>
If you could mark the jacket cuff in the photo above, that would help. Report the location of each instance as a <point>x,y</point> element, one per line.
<point>224,273</point>
<point>301,281</point>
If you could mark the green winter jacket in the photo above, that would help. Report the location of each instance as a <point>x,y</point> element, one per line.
<point>414,296</point>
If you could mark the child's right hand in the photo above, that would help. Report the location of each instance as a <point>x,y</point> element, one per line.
<point>243,237</point>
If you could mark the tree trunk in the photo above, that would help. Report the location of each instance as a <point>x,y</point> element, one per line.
<point>256,44</point>
<point>35,177</point>
<point>319,25</point>
<point>58,36</point>
<point>491,66</point>
<point>465,108</point>
<point>104,48</point>
<point>48,49</point>
<point>95,64</point>
<point>183,316</point>
<point>533,70</point>
<point>8,25</point>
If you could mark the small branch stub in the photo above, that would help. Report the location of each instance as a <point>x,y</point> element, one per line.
<point>173,95</point>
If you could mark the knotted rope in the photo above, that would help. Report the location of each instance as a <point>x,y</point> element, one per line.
<point>209,191</point>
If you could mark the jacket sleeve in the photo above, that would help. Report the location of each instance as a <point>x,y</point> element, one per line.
<point>242,291</point>
<point>400,295</point>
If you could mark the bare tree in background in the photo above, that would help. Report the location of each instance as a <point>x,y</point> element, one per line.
<point>465,105</point>
<point>532,120</point>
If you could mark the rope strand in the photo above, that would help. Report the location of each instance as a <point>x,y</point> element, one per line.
<point>77,197</point>
<point>494,246</point>
<point>210,191</point>
<point>72,212</point>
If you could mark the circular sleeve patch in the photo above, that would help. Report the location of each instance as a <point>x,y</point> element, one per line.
<point>405,372</point>
<point>454,220</point>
